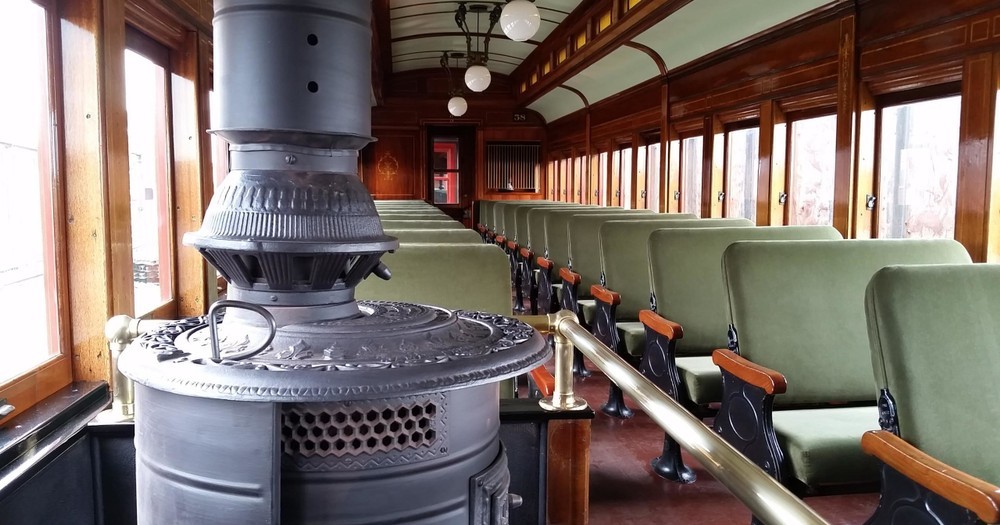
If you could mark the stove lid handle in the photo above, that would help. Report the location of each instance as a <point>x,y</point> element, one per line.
<point>213,328</point>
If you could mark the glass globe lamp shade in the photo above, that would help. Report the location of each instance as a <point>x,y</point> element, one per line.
<point>477,78</point>
<point>520,20</point>
<point>457,106</point>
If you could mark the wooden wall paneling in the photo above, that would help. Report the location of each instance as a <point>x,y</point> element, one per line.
<point>864,165</point>
<point>190,119</point>
<point>979,92</point>
<point>773,157</point>
<point>392,166</point>
<point>847,114</point>
<point>98,229</point>
<point>716,161</point>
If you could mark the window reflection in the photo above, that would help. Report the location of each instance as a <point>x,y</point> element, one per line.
<point>691,162</point>
<point>446,164</point>
<point>742,169</point>
<point>918,170</point>
<point>811,180</point>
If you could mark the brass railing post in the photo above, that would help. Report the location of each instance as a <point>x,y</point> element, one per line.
<point>563,397</point>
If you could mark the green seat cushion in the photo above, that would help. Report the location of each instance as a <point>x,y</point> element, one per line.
<point>583,244</point>
<point>624,256</point>
<point>701,377</point>
<point>798,308</point>
<point>436,236</point>
<point>823,446</point>
<point>588,307</point>
<point>633,334</point>
<point>934,334</point>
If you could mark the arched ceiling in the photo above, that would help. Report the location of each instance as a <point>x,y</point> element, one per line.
<point>423,30</point>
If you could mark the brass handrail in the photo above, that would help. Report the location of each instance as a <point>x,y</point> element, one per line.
<point>768,499</point>
<point>120,330</point>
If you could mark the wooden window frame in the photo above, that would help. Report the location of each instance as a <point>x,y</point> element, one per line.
<point>728,128</point>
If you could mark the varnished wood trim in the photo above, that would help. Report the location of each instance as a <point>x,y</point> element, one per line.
<point>511,245</point>
<point>526,253</point>
<point>568,466</point>
<point>847,112</point>
<point>605,295</point>
<point>653,55</point>
<point>772,382</point>
<point>501,240</point>
<point>661,325</point>
<point>569,276</point>
<point>544,380</point>
<point>954,485</point>
<point>544,263</point>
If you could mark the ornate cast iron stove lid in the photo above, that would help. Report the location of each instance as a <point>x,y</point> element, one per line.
<point>392,349</point>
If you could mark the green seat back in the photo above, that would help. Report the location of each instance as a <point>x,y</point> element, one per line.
<point>798,307</point>
<point>624,256</point>
<point>413,216</point>
<point>685,275</point>
<point>535,224</point>
<point>442,236</point>
<point>420,225</point>
<point>585,246</point>
<point>935,344</point>
<point>510,215</point>
<point>455,276</point>
<point>557,232</point>
<point>521,219</point>
<point>485,212</point>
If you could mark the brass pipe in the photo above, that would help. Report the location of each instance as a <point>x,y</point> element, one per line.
<point>563,397</point>
<point>120,330</point>
<point>769,500</point>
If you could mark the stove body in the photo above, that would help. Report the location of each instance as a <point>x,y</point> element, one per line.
<point>301,405</point>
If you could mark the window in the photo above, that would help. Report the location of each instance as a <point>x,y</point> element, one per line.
<point>511,167</point>
<point>742,168</point>
<point>446,173</point>
<point>691,163</point>
<point>625,175</point>
<point>918,169</point>
<point>616,178</point>
<point>640,178</point>
<point>28,278</point>
<point>146,95</point>
<point>602,171</point>
<point>563,180</point>
<point>653,174</point>
<point>811,178</point>
<point>580,195</point>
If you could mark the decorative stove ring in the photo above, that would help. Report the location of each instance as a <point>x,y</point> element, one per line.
<point>213,328</point>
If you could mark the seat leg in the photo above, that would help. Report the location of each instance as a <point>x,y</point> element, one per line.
<point>579,367</point>
<point>670,465</point>
<point>615,407</point>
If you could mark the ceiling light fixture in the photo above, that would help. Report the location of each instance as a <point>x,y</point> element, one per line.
<point>477,76</point>
<point>520,20</point>
<point>457,106</point>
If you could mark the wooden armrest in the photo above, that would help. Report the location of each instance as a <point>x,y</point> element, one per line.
<point>569,276</point>
<point>511,245</point>
<point>954,485</point>
<point>770,380</point>
<point>500,239</point>
<point>965,490</point>
<point>660,325</point>
<point>544,263</point>
<point>545,381</point>
<point>606,296</point>
<point>481,228</point>
<point>526,253</point>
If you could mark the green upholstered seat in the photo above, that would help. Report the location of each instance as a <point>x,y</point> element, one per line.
<point>476,276</point>
<point>625,261</point>
<point>521,234</point>
<point>420,225</point>
<point>446,236</point>
<point>824,445</point>
<point>413,216</point>
<point>535,225</point>
<point>685,276</point>
<point>583,243</point>
<point>798,308</point>
<point>935,345</point>
<point>557,233</point>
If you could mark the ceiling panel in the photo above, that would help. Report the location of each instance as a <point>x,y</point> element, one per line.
<point>557,103</point>
<point>620,70</point>
<point>423,30</point>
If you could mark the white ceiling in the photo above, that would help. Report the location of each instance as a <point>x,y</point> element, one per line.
<point>423,30</point>
<point>695,30</point>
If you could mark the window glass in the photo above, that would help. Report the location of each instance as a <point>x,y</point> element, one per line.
<point>640,178</point>
<point>149,181</point>
<point>580,194</point>
<point>653,176</point>
<point>691,162</point>
<point>742,169</point>
<point>616,177</point>
<point>27,264</point>
<point>603,174</point>
<point>918,169</point>
<point>446,163</point>
<point>625,157</point>
<point>811,180</point>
